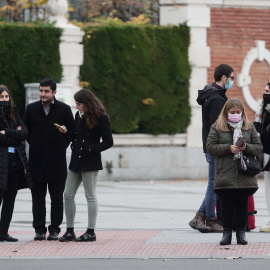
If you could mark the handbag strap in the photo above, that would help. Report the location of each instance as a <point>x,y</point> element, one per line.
<point>243,164</point>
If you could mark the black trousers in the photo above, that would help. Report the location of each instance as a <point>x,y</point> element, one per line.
<point>7,199</point>
<point>234,199</point>
<point>39,192</point>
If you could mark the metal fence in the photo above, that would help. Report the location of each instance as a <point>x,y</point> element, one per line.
<point>23,15</point>
<point>80,15</point>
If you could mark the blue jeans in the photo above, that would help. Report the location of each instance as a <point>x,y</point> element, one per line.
<point>209,202</point>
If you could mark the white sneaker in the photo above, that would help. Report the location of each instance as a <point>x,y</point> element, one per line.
<point>265,228</point>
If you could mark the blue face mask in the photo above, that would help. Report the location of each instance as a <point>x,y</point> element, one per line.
<point>229,85</point>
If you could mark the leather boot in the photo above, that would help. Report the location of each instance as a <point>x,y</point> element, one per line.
<point>198,223</point>
<point>214,225</point>
<point>226,238</point>
<point>241,237</point>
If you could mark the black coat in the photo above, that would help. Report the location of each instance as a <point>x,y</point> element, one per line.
<point>13,138</point>
<point>86,146</point>
<point>47,146</point>
<point>212,99</point>
<point>264,130</point>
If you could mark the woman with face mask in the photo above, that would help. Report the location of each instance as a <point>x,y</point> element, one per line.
<point>232,186</point>
<point>262,125</point>
<point>14,169</point>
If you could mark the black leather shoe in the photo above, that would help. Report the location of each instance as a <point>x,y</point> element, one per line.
<point>53,236</point>
<point>68,236</point>
<point>241,238</point>
<point>227,238</point>
<point>8,238</point>
<point>86,237</point>
<point>40,236</point>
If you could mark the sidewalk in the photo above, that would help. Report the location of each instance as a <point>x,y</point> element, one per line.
<point>138,219</point>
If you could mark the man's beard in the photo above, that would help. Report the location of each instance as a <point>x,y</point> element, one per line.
<point>47,101</point>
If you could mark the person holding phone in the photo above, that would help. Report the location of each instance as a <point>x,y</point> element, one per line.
<point>47,156</point>
<point>212,99</point>
<point>229,135</point>
<point>14,168</point>
<point>92,136</point>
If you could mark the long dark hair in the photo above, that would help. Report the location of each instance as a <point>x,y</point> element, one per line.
<point>93,108</point>
<point>265,113</point>
<point>264,104</point>
<point>3,88</point>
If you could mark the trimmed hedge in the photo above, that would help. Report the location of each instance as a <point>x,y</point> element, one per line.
<point>141,74</point>
<point>28,53</point>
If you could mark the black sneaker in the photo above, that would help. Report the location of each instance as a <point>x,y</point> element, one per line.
<point>53,236</point>
<point>68,236</point>
<point>8,238</point>
<point>86,237</point>
<point>40,236</point>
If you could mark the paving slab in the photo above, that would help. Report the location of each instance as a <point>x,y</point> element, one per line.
<point>137,219</point>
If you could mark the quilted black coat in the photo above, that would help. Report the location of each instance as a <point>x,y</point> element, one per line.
<point>13,138</point>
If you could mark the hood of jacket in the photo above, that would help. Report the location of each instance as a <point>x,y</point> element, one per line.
<point>208,91</point>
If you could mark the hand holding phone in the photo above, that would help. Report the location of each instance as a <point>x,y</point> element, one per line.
<point>60,127</point>
<point>240,141</point>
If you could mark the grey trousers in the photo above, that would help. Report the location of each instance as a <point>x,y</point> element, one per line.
<point>74,180</point>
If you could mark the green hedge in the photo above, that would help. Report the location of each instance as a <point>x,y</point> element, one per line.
<point>28,53</point>
<point>127,64</point>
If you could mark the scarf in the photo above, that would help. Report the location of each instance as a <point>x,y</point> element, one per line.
<point>237,132</point>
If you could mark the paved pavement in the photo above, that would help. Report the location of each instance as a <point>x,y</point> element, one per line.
<point>138,219</point>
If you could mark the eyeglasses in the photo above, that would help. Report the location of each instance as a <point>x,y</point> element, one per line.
<point>232,77</point>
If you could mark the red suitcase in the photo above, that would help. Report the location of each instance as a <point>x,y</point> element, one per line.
<point>251,211</point>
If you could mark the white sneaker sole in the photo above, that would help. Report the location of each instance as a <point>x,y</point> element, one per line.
<point>265,230</point>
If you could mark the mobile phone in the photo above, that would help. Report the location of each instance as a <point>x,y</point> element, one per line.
<point>57,125</point>
<point>240,142</point>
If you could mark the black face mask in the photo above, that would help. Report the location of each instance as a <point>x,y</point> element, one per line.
<point>266,98</point>
<point>4,107</point>
<point>4,104</point>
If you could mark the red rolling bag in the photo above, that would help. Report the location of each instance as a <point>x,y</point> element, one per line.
<point>251,211</point>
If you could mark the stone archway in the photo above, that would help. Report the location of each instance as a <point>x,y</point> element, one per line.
<point>259,53</point>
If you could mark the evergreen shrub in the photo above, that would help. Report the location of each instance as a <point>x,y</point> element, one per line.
<point>141,74</point>
<point>28,53</point>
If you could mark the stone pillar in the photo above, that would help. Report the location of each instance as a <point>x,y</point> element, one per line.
<point>197,15</point>
<point>71,49</point>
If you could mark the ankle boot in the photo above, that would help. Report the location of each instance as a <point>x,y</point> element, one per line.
<point>213,224</point>
<point>241,237</point>
<point>226,238</point>
<point>198,223</point>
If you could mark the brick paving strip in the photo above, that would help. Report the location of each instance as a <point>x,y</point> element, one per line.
<point>126,244</point>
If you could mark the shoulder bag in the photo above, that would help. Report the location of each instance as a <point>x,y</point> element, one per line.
<point>248,165</point>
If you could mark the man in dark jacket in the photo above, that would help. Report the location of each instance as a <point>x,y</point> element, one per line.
<point>212,99</point>
<point>47,156</point>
